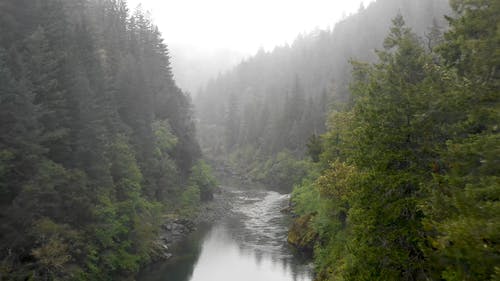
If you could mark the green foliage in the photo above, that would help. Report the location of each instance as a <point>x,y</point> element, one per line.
<point>283,171</point>
<point>164,172</point>
<point>409,184</point>
<point>314,147</point>
<point>338,141</point>
<point>56,247</point>
<point>96,140</point>
<point>302,234</point>
<point>201,188</point>
<point>275,100</point>
<point>326,195</point>
<point>305,196</point>
<point>124,170</point>
<point>462,210</point>
<point>245,159</point>
<point>393,151</point>
<point>189,201</point>
<point>202,178</point>
<point>165,139</point>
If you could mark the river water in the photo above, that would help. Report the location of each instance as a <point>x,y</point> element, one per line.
<point>249,245</point>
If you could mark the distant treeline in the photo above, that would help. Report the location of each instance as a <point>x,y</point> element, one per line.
<point>276,100</point>
<point>96,140</point>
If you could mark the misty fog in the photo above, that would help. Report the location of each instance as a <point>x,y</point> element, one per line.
<point>269,140</point>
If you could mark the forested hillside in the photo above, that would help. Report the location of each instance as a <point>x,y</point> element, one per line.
<point>386,127</point>
<point>402,183</point>
<point>406,186</point>
<point>276,101</point>
<point>96,140</point>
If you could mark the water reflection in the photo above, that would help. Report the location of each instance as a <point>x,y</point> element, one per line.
<point>247,247</point>
<point>223,259</point>
<point>179,268</point>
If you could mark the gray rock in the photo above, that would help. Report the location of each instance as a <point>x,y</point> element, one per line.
<point>175,230</point>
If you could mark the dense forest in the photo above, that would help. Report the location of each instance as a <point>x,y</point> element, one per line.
<point>402,181</point>
<point>262,113</point>
<point>406,185</point>
<point>96,140</point>
<point>385,126</point>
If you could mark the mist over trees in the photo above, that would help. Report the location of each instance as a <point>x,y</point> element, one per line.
<point>194,66</point>
<point>276,101</point>
<point>402,183</point>
<point>385,127</point>
<point>407,183</point>
<point>96,140</point>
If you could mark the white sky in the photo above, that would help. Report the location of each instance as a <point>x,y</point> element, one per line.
<point>242,25</point>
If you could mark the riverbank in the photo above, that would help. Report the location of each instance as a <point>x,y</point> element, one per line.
<point>218,208</point>
<point>175,229</point>
<point>245,239</point>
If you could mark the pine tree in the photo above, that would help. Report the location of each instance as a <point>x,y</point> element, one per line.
<point>393,148</point>
<point>95,139</point>
<point>233,123</point>
<point>463,212</point>
<point>19,146</point>
<point>20,154</point>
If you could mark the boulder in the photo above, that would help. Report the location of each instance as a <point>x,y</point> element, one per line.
<point>302,234</point>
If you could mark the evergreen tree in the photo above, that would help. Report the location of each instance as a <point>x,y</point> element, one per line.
<point>463,212</point>
<point>96,139</point>
<point>394,149</point>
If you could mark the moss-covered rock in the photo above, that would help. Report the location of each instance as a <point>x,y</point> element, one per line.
<point>302,234</point>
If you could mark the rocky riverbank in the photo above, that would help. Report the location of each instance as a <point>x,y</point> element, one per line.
<point>302,235</point>
<point>173,230</point>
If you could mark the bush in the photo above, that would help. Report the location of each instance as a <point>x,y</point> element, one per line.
<point>282,171</point>
<point>203,179</point>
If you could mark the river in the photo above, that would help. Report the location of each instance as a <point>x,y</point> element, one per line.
<point>248,245</point>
